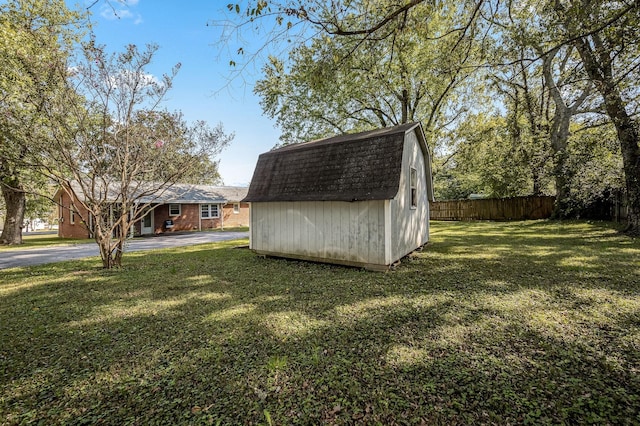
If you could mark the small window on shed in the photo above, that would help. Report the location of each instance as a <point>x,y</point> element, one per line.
<point>236,208</point>
<point>414,185</point>
<point>174,209</point>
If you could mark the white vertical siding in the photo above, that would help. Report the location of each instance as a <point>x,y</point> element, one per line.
<point>334,233</point>
<point>326,226</point>
<point>331,230</point>
<point>343,228</point>
<point>410,226</point>
<point>377,232</point>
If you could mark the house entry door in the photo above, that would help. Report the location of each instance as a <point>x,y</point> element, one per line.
<point>146,224</point>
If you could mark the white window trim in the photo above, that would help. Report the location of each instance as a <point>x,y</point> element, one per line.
<point>413,201</point>
<point>179,209</point>
<point>236,208</point>
<point>209,211</point>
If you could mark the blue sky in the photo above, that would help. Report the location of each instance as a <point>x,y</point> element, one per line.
<point>201,90</point>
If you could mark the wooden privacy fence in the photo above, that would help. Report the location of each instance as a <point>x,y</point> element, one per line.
<point>515,208</point>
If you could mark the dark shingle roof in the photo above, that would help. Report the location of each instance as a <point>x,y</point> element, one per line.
<point>361,166</point>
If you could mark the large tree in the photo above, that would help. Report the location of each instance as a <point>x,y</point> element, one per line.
<point>606,36</point>
<point>484,158</point>
<point>519,86</point>
<point>115,150</point>
<point>415,69</point>
<point>36,39</point>
<point>545,83</point>
<point>567,103</point>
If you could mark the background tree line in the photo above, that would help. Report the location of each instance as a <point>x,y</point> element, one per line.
<point>517,98</point>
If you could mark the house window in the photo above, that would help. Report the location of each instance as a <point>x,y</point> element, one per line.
<point>209,211</point>
<point>72,216</point>
<point>236,208</point>
<point>174,210</point>
<point>413,185</point>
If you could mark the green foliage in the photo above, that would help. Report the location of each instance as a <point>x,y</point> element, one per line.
<point>359,67</point>
<point>594,167</point>
<point>493,323</point>
<point>483,158</point>
<point>116,150</point>
<point>38,207</point>
<point>334,84</point>
<point>36,40</point>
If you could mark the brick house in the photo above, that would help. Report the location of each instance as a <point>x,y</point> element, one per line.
<point>183,207</point>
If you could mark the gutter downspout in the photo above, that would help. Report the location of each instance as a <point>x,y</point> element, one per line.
<point>222,215</point>
<point>132,228</point>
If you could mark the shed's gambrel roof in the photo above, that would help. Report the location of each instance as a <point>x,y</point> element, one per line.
<point>352,167</point>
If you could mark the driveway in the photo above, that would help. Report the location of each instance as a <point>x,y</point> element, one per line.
<point>37,256</point>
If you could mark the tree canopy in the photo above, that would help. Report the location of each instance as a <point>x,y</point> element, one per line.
<point>91,122</point>
<point>37,37</point>
<point>114,150</point>
<point>533,77</point>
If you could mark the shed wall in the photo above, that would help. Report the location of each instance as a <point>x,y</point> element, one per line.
<point>345,232</point>
<point>410,226</point>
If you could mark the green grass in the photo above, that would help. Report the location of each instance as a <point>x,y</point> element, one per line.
<point>493,323</point>
<point>39,240</point>
<point>231,228</point>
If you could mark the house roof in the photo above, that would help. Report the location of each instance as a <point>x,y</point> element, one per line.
<point>199,194</point>
<point>351,167</point>
<point>178,193</point>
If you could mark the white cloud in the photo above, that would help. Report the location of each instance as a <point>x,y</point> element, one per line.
<point>110,11</point>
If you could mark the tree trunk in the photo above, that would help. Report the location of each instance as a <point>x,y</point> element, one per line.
<point>103,239</point>
<point>559,139</point>
<point>601,73</point>
<point>122,231</point>
<point>559,132</point>
<point>111,247</point>
<point>15,201</point>
<point>105,252</point>
<point>405,106</point>
<point>562,205</point>
<point>537,183</point>
<point>628,137</point>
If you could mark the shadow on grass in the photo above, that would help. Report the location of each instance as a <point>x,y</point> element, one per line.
<point>480,327</point>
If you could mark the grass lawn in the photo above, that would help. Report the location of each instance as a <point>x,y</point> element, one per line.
<point>493,323</point>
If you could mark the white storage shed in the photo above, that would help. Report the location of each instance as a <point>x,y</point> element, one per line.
<point>357,199</point>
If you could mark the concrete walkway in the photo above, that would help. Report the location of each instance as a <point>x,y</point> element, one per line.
<point>37,256</point>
